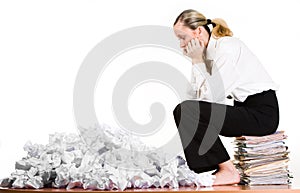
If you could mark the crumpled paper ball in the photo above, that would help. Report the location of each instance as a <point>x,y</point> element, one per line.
<point>107,159</point>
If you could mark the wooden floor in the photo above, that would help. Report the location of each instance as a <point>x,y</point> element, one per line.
<point>217,189</point>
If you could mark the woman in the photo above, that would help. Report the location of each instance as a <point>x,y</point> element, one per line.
<point>223,68</point>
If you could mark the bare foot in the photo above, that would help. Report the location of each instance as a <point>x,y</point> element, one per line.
<point>227,174</point>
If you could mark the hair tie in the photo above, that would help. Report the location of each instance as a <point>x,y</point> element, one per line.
<point>210,22</point>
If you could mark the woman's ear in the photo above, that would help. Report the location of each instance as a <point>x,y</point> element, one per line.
<point>197,32</point>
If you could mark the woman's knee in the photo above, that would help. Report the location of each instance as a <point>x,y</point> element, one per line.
<point>193,108</point>
<point>184,108</point>
<point>176,109</point>
<point>187,105</point>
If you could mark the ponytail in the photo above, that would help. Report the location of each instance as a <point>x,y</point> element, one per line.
<point>220,29</point>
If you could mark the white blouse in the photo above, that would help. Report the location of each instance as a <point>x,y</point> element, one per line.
<point>230,70</point>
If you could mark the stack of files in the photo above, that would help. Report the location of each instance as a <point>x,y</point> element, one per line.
<point>262,160</point>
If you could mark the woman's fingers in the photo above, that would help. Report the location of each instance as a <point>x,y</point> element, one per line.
<point>184,51</point>
<point>189,46</point>
<point>193,42</point>
<point>194,48</point>
<point>201,43</point>
<point>197,42</point>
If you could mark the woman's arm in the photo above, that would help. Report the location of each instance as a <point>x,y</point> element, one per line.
<point>223,78</point>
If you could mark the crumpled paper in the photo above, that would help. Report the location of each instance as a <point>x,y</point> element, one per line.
<point>107,159</point>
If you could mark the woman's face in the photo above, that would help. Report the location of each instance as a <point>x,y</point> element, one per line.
<point>184,34</point>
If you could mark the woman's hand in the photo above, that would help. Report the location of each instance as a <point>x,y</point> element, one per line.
<point>194,50</point>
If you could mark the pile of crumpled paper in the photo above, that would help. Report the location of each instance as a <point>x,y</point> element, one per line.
<point>112,159</point>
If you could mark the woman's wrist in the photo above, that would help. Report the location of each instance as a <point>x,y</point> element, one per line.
<point>197,61</point>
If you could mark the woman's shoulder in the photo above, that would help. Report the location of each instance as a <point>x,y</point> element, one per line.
<point>228,41</point>
<point>228,44</point>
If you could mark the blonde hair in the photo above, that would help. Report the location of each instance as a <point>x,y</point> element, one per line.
<point>193,19</point>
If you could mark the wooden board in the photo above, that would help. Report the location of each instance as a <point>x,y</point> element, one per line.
<point>217,189</point>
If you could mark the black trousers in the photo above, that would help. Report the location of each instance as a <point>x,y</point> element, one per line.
<point>200,123</point>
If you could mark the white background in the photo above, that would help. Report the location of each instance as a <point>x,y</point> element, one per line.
<point>42,45</point>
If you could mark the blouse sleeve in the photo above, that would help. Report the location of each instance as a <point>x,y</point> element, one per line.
<point>197,80</point>
<point>215,87</point>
